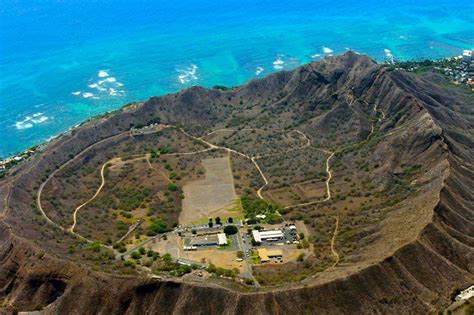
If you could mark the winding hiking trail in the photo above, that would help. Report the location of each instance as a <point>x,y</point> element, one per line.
<point>102,177</point>
<point>333,242</point>
<point>211,146</point>
<point>328,181</point>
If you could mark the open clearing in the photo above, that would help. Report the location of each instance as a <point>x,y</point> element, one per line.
<point>220,258</point>
<point>212,196</point>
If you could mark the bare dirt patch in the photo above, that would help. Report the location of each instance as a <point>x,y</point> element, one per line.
<point>220,258</point>
<point>212,196</point>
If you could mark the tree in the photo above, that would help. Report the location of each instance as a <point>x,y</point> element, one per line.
<point>300,257</point>
<point>231,230</point>
<point>157,227</point>
<point>218,221</point>
<point>135,255</point>
<point>172,187</point>
<point>301,235</point>
<point>142,251</point>
<point>230,220</point>
<point>240,254</point>
<point>211,224</point>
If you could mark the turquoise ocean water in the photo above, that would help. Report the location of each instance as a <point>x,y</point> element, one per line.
<point>64,61</point>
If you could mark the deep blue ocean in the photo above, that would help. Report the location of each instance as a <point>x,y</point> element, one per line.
<point>64,61</point>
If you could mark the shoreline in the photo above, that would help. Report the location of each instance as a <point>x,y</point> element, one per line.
<point>451,69</point>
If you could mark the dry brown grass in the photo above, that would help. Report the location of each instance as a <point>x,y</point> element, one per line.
<point>212,196</point>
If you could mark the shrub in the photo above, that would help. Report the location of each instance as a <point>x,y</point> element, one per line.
<point>130,264</point>
<point>172,187</point>
<point>95,246</point>
<point>135,255</point>
<point>248,281</point>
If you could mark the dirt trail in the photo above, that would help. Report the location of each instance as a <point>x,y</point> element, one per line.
<point>328,181</point>
<point>40,189</point>
<point>102,177</point>
<point>156,169</point>
<point>333,242</point>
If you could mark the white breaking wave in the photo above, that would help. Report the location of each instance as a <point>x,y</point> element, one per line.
<point>315,56</point>
<point>108,80</point>
<point>103,74</point>
<point>188,74</point>
<point>278,63</point>
<point>30,121</point>
<point>327,50</point>
<point>259,70</point>
<point>389,55</point>
<point>107,86</point>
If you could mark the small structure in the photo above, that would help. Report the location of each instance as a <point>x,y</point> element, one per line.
<point>268,236</point>
<point>221,239</point>
<point>467,55</point>
<point>267,254</point>
<point>466,294</point>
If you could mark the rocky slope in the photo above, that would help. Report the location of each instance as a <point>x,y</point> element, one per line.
<point>424,120</point>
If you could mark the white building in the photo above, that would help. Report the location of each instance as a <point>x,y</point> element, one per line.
<point>269,236</point>
<point>466,294</point>
<point>221,239</point>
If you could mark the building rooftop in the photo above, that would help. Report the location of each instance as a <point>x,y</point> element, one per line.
<point>266,254</point>
<point>222,239</point>
<point>204,240</point>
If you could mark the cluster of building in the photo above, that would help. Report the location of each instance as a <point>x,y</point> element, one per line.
<point>152,128</point>
<point>8,163</point>
<point>461,71</point>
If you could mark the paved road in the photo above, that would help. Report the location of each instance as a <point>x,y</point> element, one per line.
<point>244,247</point>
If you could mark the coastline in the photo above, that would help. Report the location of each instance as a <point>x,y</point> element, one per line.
<point>458,69</point>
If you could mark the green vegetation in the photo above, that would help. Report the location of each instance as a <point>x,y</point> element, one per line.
<point>231,230</point>
<point>120,247</point>
<point>221,87</point>
<point>157,227</point>
<point>253,207</point>
<point>135,255</point>
<point>131,198</point>
<point>218,271</point>
<point>172,187</point>
<point>95,246</point>
<point>167,265</point>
